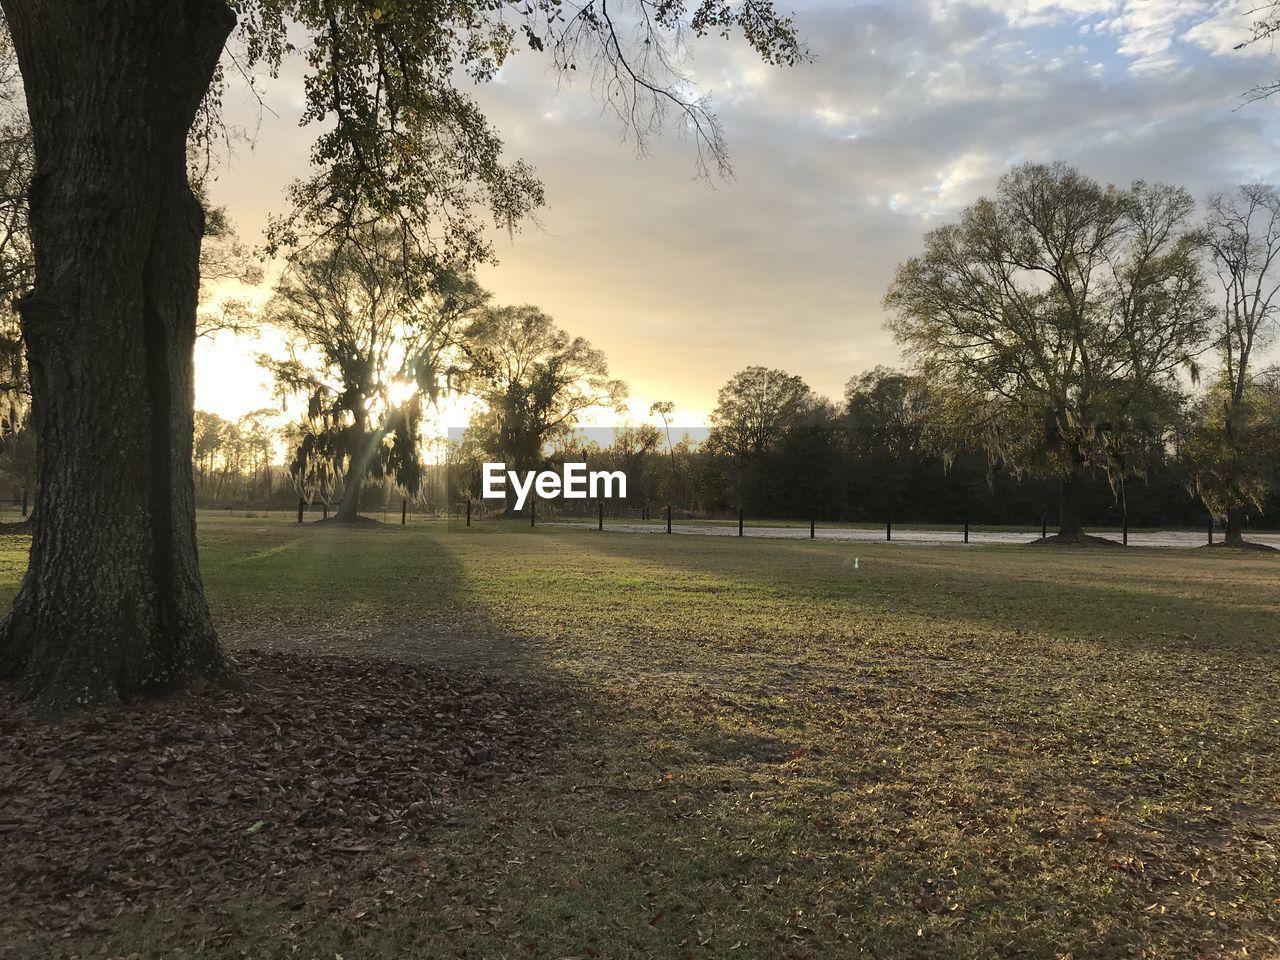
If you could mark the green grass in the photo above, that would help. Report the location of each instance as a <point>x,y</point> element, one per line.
<point>943,752</point>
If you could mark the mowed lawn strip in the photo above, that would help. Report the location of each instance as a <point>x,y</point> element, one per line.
<point>773,751</point>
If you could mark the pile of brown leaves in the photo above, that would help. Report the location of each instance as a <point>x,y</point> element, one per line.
<point>323,762</point>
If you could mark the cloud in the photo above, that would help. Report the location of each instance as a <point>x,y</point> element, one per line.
<point>911,111</point>
<point>1227,24</point>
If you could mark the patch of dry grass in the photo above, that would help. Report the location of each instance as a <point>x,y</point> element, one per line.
<point>943,752</point>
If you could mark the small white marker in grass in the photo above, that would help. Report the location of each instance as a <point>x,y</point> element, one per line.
<point>855,563</point>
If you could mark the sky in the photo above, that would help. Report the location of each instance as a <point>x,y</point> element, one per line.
<point>909,111</point>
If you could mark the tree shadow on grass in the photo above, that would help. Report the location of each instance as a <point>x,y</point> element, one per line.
<point>744,772</point>
<point>304,798</point>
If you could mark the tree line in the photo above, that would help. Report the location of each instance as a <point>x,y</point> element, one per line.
<point>1080,351</point>
<point>1065,326</point>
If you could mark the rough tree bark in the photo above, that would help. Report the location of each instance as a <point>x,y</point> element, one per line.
<point>112,605</point>
<point>1234,534</point>
<point>1070,519</point>
<point>354,479</point>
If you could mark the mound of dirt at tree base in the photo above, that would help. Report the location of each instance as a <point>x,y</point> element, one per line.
<point>1053,540</point>
<point>350,523</point>
<point>1246,545</point>
<point>318,768</point>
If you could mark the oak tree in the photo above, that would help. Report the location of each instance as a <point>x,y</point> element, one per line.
<point>535,381</point>
<point>372,335</point>
<point>754,411</point>
<point>112,605</point>
<point>1232,445</point>
<point>1059,308</point>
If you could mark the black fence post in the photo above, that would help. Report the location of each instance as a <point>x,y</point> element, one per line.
<point>326,512</point>
<point>888,527</point>
<point>1044,528</point>
<point>812,528</point>
<point>533,512</point>
<point>600,518</point>
<point>404,511</point>
<point>668,518</point>
<point>1124,528</point>
<point>740,517</point>
<point>301,504</point>
<point>966,529</point>
<point>24,503</point>
<point>468,511</point>
<point>1211,531</point>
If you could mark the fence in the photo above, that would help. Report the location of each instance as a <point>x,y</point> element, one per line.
<point>666,520</point>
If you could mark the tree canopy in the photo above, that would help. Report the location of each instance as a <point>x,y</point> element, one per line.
<point>371,344</point>
<point>401,139</point>
<point>1232,449</point>
<point>535,381</point>
<point>755,408</point>
<point>1063,310</point>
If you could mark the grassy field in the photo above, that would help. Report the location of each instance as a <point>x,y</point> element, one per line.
<point>796,749</point>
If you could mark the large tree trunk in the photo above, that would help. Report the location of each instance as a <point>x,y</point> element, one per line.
<point>1235,527</point>
<point>112,605</point>
<point>358,471</point>
<point>352,485</point>
<point>1070,519</point>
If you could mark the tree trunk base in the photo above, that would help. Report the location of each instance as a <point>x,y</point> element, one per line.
<point>58,686</point>
<point>61,665</point>
<point>1074,540</point>
<point>357,521</point>
<point>1241,544</point>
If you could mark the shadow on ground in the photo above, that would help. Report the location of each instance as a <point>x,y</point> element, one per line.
<point>764,753</point>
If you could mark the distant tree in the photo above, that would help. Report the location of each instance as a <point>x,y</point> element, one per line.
<point>1232,468</point>
<point>755,408</point>
<point>213,436</point>
<point>18,463</point>
<point>804,467</point>
<point>233,459</point>
<point>535,380</point>
<point>887,412</point>
<point>114,91</point>
<point>887,415</point>
<point>465,459</point>
<point>17,265</point>
<point>753,412</point>
<point>665,409</point>
<point>373,332</point>
<point>635,447</point>
<point>225,258</point>
<point>1233,449</point>
<point>258,435</point>
<point>1058,308</point>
